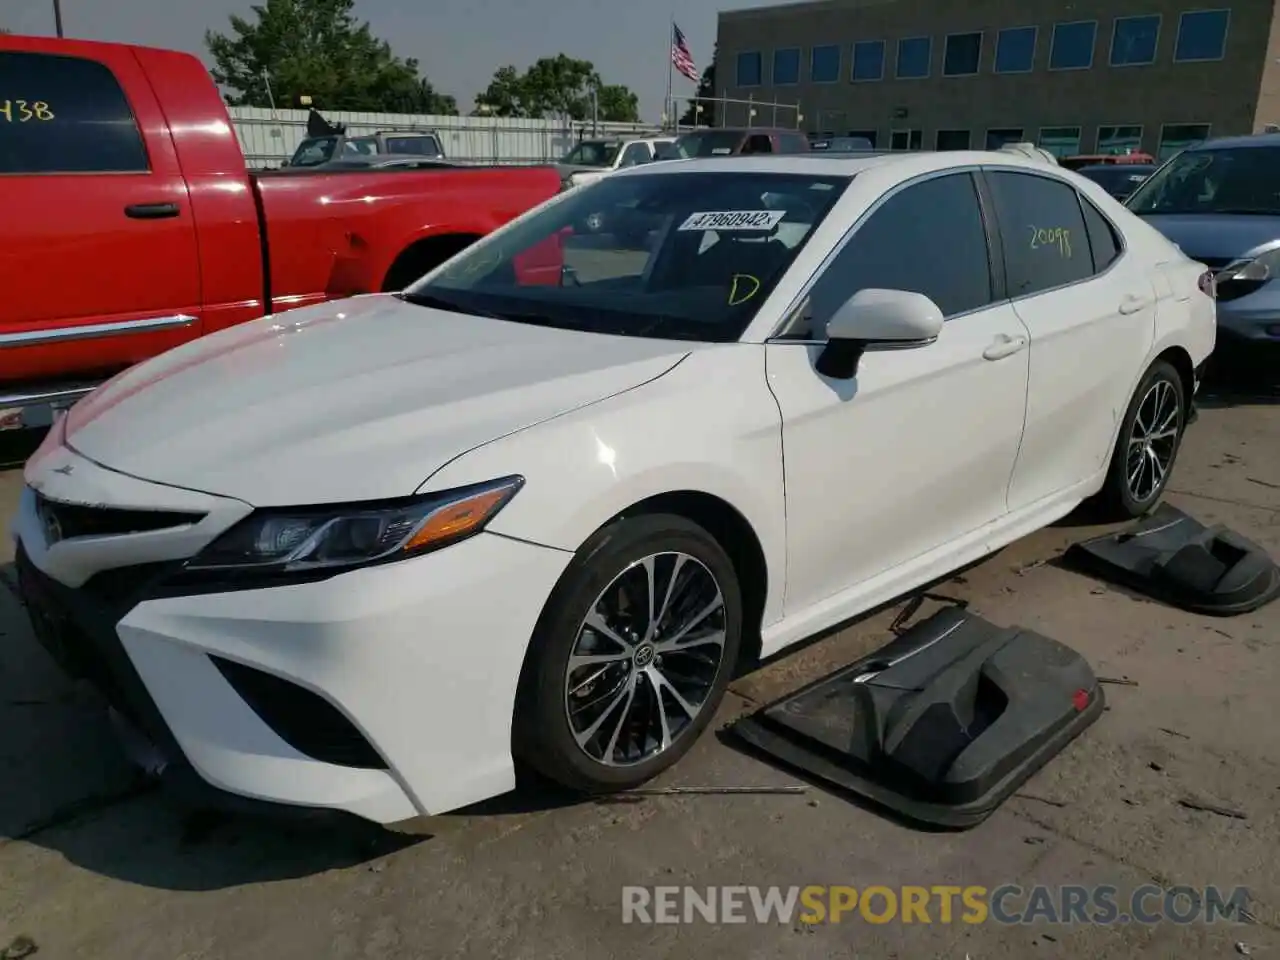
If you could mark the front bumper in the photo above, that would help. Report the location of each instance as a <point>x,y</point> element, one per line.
<point>385,692</point>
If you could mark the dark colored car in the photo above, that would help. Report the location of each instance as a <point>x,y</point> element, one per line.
<point>317,150</point>
<point>1080,161</point>
<point>1220,202</point>
<point>730,141</point>
<point>1119,179</point>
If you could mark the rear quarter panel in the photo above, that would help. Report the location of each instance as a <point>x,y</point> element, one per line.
<point>337,234</point>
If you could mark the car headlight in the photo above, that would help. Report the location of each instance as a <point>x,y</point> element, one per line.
<point>318,538</point>
<point>1258,270</point>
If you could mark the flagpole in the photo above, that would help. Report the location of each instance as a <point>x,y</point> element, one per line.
<point>669,107</point>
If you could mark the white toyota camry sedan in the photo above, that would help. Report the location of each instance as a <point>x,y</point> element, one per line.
<point>370,555</point>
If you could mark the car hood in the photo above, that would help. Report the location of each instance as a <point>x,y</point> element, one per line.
<point>1216,238</point>
<point>567,169</point>
<point>361,399</point>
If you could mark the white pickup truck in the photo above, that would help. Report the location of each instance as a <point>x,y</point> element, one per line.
<point>593,159</point>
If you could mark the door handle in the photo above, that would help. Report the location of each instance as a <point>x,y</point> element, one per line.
<point>151,211</point>
<point>1132,303</point>
<point>1004,346</point>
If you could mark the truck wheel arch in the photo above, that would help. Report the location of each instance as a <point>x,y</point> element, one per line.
<point>423,255</point>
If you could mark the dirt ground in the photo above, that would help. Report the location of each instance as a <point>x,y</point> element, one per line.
<point>95,865</point>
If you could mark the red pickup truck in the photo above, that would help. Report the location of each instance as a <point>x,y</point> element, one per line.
<point>131,224</point>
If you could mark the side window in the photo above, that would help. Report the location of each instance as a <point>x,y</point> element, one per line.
<point>792,143</point>
<point>1103,242</point>
<point>1045,241</point>
<point>758,143</point>
<point>634,154</point>
<point>65,115</point>
<point>928,238</point>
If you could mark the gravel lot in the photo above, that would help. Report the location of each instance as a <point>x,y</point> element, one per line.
<point>94,864</point>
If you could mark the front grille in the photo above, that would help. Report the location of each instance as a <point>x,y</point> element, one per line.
<point>66,521</point>
<point>304,720</point>
<point>121,588</point>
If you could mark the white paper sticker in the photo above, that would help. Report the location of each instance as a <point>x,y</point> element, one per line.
<point>721,151</point>
<point>734,220</point>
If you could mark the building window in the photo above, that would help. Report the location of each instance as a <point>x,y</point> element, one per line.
<point>1120,138</point>
<point>1176,137</point>
<point>1073,45</point>
<point>914,54</point>
<point>786,66</point>
<point>1016,50</point>
<point>824,64</point>
<point>1133,41</point>
<point>750,68</point>
<point>962,55</point>
<point>868,60</point>
<point>872,136</point>
<point>998,137</point>
<point>1060,141</point>
<point>906,140</point>
<point>1202,35</point>
<point>951,140</point>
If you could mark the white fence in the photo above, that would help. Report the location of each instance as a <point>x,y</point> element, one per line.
<point>270,136</point>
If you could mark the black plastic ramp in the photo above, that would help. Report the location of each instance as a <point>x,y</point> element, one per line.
<point>939,726</point>
<point>1176,559</point>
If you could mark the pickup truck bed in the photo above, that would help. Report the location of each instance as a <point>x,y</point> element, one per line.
<point>132,224</point>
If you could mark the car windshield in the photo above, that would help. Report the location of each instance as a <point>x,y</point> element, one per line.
<point>592,153</point>
<point>1243,180</point>
<point>362,146</point>
<point>687,256</point>
<point>708,143</point>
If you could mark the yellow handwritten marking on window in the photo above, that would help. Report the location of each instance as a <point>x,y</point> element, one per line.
<point>1058,237</point>
<point>743,288</point>
<point>24,111</point>
<point>475,265</point>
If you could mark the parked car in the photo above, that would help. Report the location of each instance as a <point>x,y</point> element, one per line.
<point>131,224</point>
<point>1220,202</point>
<point>592,159</point>
<point>393,543</point>
<point>842,144</point>
<point>1118,179</point>
<point>729,141</point>
<point>314,151</point>
<point>1105,159</point>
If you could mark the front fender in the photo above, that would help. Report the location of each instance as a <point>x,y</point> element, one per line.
<point>709,426</point>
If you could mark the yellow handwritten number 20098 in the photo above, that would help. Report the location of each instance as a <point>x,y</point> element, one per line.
<point>23,111</point>
<point>1059,237</point>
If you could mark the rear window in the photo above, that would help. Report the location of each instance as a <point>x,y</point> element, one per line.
<point>710,143</point>
<point>592,153</point>
<point>420,146</point>
<point>313,151</point>
<point>1118,177</point>
<point>65,115</point>
<point>1232,180</point>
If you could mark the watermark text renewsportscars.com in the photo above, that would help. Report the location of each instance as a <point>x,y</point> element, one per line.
<point>937,904</point>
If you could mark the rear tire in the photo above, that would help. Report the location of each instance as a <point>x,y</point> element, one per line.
<point>1146,446</point>
<point>639,689</point>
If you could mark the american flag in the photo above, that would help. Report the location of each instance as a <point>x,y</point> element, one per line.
<point>680,55</point>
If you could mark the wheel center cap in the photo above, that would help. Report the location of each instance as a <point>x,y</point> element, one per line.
<point>644,655</point>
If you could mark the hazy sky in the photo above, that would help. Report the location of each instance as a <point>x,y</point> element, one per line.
<point>459,42</point>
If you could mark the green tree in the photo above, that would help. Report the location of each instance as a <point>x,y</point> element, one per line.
<point>317,48</point>
<point>559,86</point>
<point>706,117</point>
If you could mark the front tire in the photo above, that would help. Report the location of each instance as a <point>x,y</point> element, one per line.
<point>1147,445</point>
<point>632,656</point>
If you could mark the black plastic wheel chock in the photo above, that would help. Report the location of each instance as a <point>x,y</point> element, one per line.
<point>939,726</point>
<point>1174,558</point>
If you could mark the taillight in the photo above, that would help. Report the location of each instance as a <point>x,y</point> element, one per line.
<point>1207,285</point>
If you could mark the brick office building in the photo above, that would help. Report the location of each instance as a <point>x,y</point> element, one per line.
<point>1075,76</point>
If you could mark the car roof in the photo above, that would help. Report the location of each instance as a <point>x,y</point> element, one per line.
<point>1248,140</point>
<point>832,164</point>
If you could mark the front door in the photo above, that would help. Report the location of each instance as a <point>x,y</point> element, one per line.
<point>99,239</point>
<point>917,449</point>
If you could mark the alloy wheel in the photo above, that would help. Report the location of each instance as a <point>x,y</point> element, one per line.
<point>645,659</point>
<point>1153,440</point>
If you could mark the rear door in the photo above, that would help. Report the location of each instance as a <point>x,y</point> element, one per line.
<point>1090,309</point>
<point>99,265</point>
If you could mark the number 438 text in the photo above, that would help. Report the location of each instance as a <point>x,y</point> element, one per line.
<point>24,111</point>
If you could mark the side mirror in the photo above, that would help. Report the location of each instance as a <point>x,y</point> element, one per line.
<point>883,319</point>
